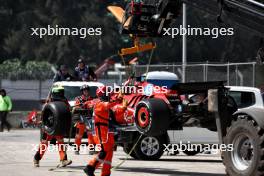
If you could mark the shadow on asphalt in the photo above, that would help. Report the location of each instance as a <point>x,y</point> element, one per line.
<point>71,167</point>
<point>164,171</point>
<point>160,171</point>
<point>180,160</point>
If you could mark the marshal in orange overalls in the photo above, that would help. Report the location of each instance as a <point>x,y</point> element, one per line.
<point>103,136</point>
<point>81,127</point>
<point>56,95</point>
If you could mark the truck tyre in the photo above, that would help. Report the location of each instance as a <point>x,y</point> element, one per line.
<point>247,156</point>
<point>56,118</point>
<point>152,117</point>
<point>150,147</point>
<point>127,148</point>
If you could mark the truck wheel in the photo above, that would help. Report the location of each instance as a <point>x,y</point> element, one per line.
<point>127,148</point>
<point>150,147</point>
<point>56,118</point>
<point>247,157</point>
<point>152,117</point>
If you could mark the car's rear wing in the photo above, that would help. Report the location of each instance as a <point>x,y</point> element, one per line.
<point>217,101</point>
<point>197,87</point>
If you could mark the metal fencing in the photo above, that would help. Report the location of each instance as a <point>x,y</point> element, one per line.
<point>235,74</point>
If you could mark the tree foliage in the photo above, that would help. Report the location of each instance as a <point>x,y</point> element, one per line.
<point>15,70</point>
<point>17,17</point>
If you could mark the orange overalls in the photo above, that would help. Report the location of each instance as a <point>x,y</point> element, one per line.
<point>46,138</point>
<point>104,137</point>
<point>80,127</point>
<point>44,146</point>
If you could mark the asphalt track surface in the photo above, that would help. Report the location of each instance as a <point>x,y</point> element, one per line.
<point>16,159</point>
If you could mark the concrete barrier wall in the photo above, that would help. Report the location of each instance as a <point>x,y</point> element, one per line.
<point>26,89</point>
<point>26,105</point>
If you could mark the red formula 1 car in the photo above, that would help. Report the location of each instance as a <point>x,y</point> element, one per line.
<point>158,102</point>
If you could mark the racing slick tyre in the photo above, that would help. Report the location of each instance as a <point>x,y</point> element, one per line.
<point>127,148</point>
<point>247,156</point>
<point>56,118</point>
<point>150,147</point>
<point>152,117</point>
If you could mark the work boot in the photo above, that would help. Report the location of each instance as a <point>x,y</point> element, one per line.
<point>89,170</point>
<point>65,163</point>
<point>36,163</point>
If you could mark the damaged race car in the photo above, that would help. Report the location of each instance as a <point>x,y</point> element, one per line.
<point>160,106</point>
<point>155,105</point>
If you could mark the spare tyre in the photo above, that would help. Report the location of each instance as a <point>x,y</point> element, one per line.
<point>56,118</point>
<point>152,117</point>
